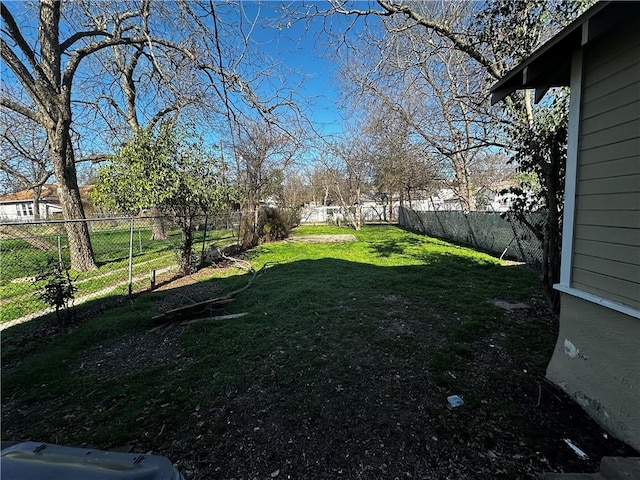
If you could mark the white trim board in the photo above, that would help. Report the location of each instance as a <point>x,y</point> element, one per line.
<point>603,302</point>
<point>571,173</point>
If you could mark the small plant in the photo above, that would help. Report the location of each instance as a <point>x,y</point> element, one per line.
<point>59,289</point>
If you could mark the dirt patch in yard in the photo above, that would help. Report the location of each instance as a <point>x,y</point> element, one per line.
<point>323,238</point>
<point>134,352</point>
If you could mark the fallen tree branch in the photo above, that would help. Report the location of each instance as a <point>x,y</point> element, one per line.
<point>219,317</point>
<point>212,303</point>
<point>243,264</point>
<point>202,310</point>
<point>256,274</point>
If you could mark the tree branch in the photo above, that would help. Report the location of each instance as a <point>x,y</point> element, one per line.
<point>64,46</point>
<point>21,72</point>
<point>16,35</point>
<point>81,53</point>
<point>444,31</point>
<point>94,158</point>
<point>158,116</point>
<point>19,108</point>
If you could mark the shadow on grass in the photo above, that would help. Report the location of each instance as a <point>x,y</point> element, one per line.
<point>338,366</point>
<point>389,247</point>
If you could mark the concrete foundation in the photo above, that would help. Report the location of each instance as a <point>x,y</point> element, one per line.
<point>597,362</point>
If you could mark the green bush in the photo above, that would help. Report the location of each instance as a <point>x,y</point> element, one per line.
<point>273,225</point>
<point>292,216</point>
<point>59,289</point>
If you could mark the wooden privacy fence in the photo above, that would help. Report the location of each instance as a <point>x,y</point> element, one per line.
<point>487,231</point>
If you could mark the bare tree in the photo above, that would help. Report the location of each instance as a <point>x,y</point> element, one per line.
<point>320,183</point>
<point>401,167</point>
<point>350,171</point>
<point>295,190</point>
<point>262,152</point>
<point>46,67</point>
<point>492,37</point>
<point>430,92</point>
<point>25,162</point>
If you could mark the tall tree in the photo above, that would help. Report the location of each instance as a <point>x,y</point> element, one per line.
<point>46,69</point>
<point>432,93</point>
<point>48,66</point>
<point>262,152</point>
<point>402,168</point>
<point>350,169</point>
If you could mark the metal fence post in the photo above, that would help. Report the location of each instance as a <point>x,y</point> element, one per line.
<point>204,239</point>
<point>131,258</point>
<point>59,252</point>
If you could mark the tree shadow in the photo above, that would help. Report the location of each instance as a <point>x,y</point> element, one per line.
<point>389,247</point>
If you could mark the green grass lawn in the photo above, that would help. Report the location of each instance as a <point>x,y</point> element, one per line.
<point>341,369</point>
<point>20,263</point>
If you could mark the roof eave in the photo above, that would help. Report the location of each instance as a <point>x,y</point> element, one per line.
<point>549,66</point>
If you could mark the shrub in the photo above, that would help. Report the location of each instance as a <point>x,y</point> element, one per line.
<point>59,289</point>
<point>272,225</point>
<point>292,216</point>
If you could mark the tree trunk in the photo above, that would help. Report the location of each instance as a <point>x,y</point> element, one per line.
<point>462,186</point>
<point>56,118</point>
<point>186,248</point>
<point>552,246</point>
<point>61,152</point>
<point>36,203</point>
<point>249,235</point>
<point>158,226</point>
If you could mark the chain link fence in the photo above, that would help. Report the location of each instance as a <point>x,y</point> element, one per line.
<point>487,231</point>
<point>126,253</point>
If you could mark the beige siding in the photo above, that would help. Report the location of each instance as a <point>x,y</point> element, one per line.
<point>611,101</point>
<point>599,233</point>
<point>606,251</point>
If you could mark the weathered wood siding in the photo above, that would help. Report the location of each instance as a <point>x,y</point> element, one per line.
<point>606,250</point>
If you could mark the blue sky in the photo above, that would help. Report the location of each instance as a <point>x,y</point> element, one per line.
<point>296,46</point>
<point>302,48</point>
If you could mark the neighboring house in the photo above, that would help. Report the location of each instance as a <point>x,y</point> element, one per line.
<point>20,206</point>
<point>488,198</point>
<point>597,355</point>
<point>371,211</point>
<point>491,199</point>
<point>444,199</point>
<point>321,214</point>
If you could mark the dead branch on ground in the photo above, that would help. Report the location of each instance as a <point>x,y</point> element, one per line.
<point>203,310</point>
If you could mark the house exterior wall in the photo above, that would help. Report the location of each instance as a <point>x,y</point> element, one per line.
<point>606,248</point>
<point>596,359</point>
<point>22,211</point>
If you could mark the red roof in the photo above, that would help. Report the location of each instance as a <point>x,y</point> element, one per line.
<point>49,192</point>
